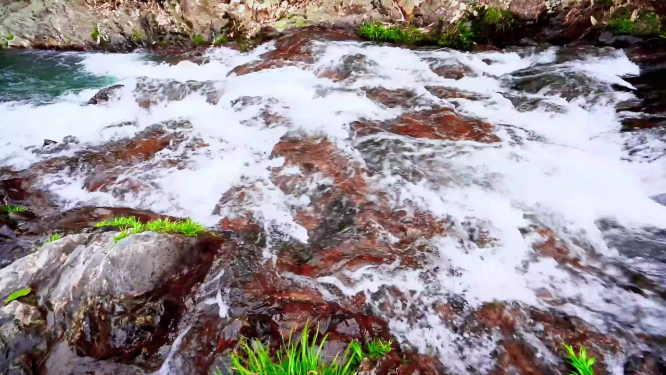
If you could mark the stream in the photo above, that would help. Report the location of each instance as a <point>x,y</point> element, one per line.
<point>479,208</point>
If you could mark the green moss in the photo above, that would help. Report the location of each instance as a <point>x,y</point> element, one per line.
<point>198,40</point>
<point>243,47</point>
<point>219,40</point>
<point>459,37</point>
<point>290,22</point>
<point>647,23</point>
<point>95,34</point>
<point>9,37</point>
<point>18,294</point>
<point>379,33</point>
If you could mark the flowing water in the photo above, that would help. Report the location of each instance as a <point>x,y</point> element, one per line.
<point>539,157</point>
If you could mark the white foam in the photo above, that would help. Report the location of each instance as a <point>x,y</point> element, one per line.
<point>560,169</point>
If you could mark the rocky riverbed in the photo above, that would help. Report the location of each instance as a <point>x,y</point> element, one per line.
<point>478,208</point>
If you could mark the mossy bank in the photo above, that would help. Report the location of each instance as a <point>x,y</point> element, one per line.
<point>187,24</point>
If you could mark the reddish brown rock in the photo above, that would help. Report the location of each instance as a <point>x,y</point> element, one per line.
<point>291,49</point>
<point>452,71</point>
<point>515,358</point>
<point>451,93</point>
<point>392,98</point>
<point>443,124</point>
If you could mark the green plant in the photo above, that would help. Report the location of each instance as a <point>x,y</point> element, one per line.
<point>137,37</point>
<point>54,237</point>
<point>378,348</point>
<point>580,362</point>
<point>460,37</point>
<point>188,227</point>
<point>18,294</point>
<point>117,222</point>
<point>500,19</point>
<point>9,37</point>
<point>243,47</point>
<point>10,208</point>
<point>219,40</point>
<point>131,225</point>
<point>300,357</point>
<point>647,23</point>
<point>377,32</point>
<point>95,34</point>
<point>197,40</point>
<point>124,232</point>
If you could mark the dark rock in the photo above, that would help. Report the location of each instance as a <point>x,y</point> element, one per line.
<point>149,92</point>
<point>606,38</point>
<point>48,142</point>
<point>661,199</point>
<point>269,32</point>
<point>105,94</point>
<point>622,41</point>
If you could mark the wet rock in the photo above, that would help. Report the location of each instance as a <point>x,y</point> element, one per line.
<point>644,364</point>
<point>392,98</point>
<point>440,123</point>
<point>48,142</point>
<point>149,92</point>
<point>352,66</point>
<point>110,300</point>
<point>294,49</point>
<point>456,72</point>
<point>451,93</point>
<point>606,38</point>
<point>105,94</point>
<point>526,104</point>
<point>64,360</point>
<point>569,85</point>
<point>22,336</point>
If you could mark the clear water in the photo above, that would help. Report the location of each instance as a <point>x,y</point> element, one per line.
<point>43,76</point>
<point>562,164</point>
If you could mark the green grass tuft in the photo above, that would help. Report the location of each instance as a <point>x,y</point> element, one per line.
<point>124,232</point>
<point>294,358</point>
<point>460,37</point>
<point>10,208</point>
<point>379,33</point>
<point>129,225</point>
<point>219,40</point>
<point>18,294</point>
<point>54,237</point>
<point>197,40</point>
<point>95,34</point>
<point>580,362</point>
<point>9,37</point>
<point>302,357</point>
<point>118,222</point>
<point>188,227</point>
<point>378,348</point>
